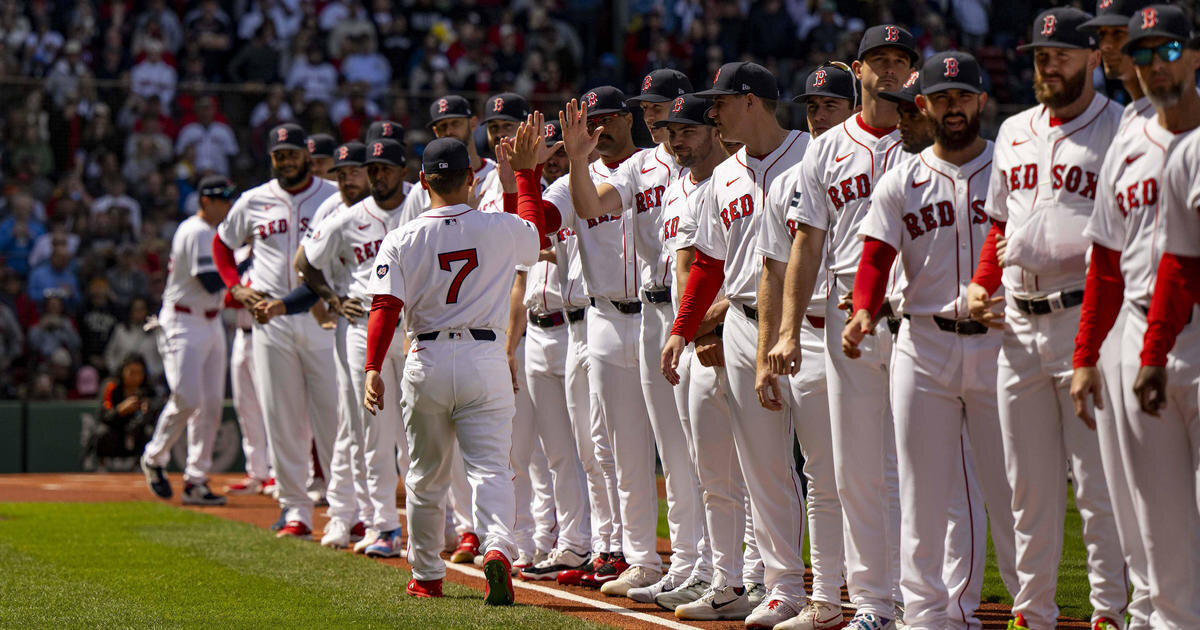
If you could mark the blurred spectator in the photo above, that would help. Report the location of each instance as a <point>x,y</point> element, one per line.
<point>56,279</point>
<point>58,236</point>
<point>152,77</point>
<point>54,332</point>
<point>12,342</point>
<point>395,40</point>
<point>118,205</point>
<point>209,28</point>
<point>315,77</point>
<point>126,278</point>
<point>213,140</point>
<point>362,64</point>
<point>13,295</point>
<point>339,11</point>
<point>283,18</point>
<point>130,337</point>
<point>167,21</point>
<point>129,407</point>
<point>41,45</point>
<point>353,114</point>
<point>96,322</point>
<point>63,79</point>
<point>258,61</point>
<point>19,231</point>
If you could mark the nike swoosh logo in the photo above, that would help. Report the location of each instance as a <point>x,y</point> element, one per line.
<point>673,200</point>
<point>730,182</point>
<point>1017,143</point>
<point>363,227</point>
<point>647,170</point>
<point>839,159</point>
<point>718,606</point>
<point>415,350</point>
<point>919,184</point>
<point>1133,158</point>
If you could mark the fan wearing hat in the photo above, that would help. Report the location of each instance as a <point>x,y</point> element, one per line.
<point>293,376</point>
<point>1143,270</point>
<point>916,131</point>
<point>1045,175</point>
<point>744,97</point>
<point>194,362</point>
<point>320,149</point>
<point>830,96</point>
<point>1110,29</point>
<point>834,188</point>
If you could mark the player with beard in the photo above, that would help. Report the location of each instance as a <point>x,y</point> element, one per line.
<point>291,352</point>
<point>830,97</point>
<point>1043,188</point>
<point>929,212</point>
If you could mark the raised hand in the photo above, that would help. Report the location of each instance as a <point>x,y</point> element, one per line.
<point>525,145</point>
<point>578,142</point>
<point>504,169</point>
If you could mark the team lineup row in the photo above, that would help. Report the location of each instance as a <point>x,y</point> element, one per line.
<point>944,323</point>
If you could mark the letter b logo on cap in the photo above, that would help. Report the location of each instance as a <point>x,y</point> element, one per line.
<point>377,149</point>
<point>951,67</point>
<point>820,79</point>
<point>646,83</point>
<point>1048,25</point>
<point>1149,17</point>
<point>678,106</point>
<point>891,34</point>
<point>499,106</point>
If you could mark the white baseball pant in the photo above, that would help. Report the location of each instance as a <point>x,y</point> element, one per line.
<point>291,369</point>
<point>614,382</point>
<point>192,348</point>
<point>1163,455</point>
<point>523,436</point>
<point>545,373</point>
<point>864,460</point>
<point>592,444</point>
<point>381,434</point>
<point>541,481</point>
<point>342,490</point>
<point>458,389</point>
<point>458,499</point>
<point>764,442</point>
<point>703,568</point>
<point>685,514</point>
<point>245,405</point>
<point>1040,433</point>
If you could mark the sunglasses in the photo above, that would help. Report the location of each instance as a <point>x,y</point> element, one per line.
<point>1168,52</point>
<point>598,121</point>
<point>222,192</point>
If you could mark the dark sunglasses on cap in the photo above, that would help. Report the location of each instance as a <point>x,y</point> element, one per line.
<point>220,192</point>
<point>1168,52</point>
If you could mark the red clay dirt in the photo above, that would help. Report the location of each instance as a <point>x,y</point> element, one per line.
<point>261,511</point>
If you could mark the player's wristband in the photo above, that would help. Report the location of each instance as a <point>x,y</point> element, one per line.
<point>299,300</point>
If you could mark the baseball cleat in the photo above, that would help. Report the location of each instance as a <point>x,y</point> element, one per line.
<point>721,603</point>
<point>358,532</point>
<point>646,594</point>
<point>575,577</point>
<point>609,571</point>
<point>199,494</point>
<point>468,548</point>
<point>815,616</point>
<point>156,479</point>
<point>867,621</point>
<point>687,593</point>
<point>269,488</point>
<point>337,534</point>
<point>523,562</point>
<point>1016,623</point>
<point>559,560</point>
<point>368,537</point>
<point>387,545</point>
<point>279,522</point>
<point>295,529</point>
<point>756,592</point>
<point>1104,623</point>
<point>424,588</point>
<point>498,571</point>
<point>770,613</point>
<point>633,577</point>
<point>248,485</point>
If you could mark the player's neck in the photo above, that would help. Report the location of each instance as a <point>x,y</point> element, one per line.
<point>299,187</point>
<point>1073,109</point>
<point>703,171</point>
<point>764,136</point>
<point>391,203</point>
<point>438,201</point>
<point>207,219</point>
<point>879,113</point>
<point>1183,116</point>
<point>960,156</point>
<point>627,149</point>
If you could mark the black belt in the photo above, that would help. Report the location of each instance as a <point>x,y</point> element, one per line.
<point>958,326</point>
<point>1050,303</point>
<point>658,296</point>
<point>628,307</point>
<point>750,312</point>
<point>576,314</point>
<point>478,334</point>
<point>549,320</point>
<point>1146,311</point>
<point>247,330</point>
<point>894,325</point>
<point>719,331</point>
<point>816,322</point>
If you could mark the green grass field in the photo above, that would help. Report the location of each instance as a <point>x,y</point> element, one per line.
<point>149,565</point>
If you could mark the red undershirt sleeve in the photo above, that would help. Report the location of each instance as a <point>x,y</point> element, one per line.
<point>226,265</point>
<point>530,205</point>
<point>870,282</point>
<point>704,282</point>
<point>988,273</point>
<point>1175,291</point>
<point>1102,296</point>
<point>381,327</point>
<point>510,203</point>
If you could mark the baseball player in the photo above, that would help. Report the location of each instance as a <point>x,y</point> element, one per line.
<point>744,98</point>
<point>929,212</point>
<point>1145,209</point>
<point>1043,187</point>
<point>452,267</point>
<point>290,352</point>
<point>245,400</point>
<point>839,174</point>
<point>830,97</point>
<point>320,148</point>
<point>191,341</point>
<point>635,193</point>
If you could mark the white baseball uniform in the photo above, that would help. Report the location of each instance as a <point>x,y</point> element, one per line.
<point>1150,208</point>
<point>836,181</point>
<point>728,223</point>
<point>609,265</point>
<point>642,181</point>
<point>416,201</point>
<point>191,341</point>
<point>291,352</point>
<point>1043,184</point>
<point>931,212</point>
<point>245,398</point>
<point>452,268</point>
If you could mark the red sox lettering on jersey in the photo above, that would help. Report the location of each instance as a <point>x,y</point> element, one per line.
<point>642,181</point>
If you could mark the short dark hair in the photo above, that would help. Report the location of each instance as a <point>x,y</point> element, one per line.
<point>769,104</point>
<point>448,182</point>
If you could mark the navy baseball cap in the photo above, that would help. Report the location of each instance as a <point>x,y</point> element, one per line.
<point>553,132</point>
<point>663,86</point>
<point>349,154</point>
<point>385,151</point>
<point>605,99</point>
<point>1158,20</point>
<point>449,106</point>
<point>385,129</point>
<point>884,35</point>
<point>321,145</point>
<point>906,94</point>
<point>688,109</point>
<point>742,77</point>
<point>1114,13</point>
<point>445,155</point>
<point>1060,27</point>
<point>951,70</point>
<point>829,80</point>
<point>217,186</point>
<point>507,106</point>
<point>287,136</point>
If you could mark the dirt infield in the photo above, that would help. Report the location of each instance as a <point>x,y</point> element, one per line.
<point>262,511</point>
